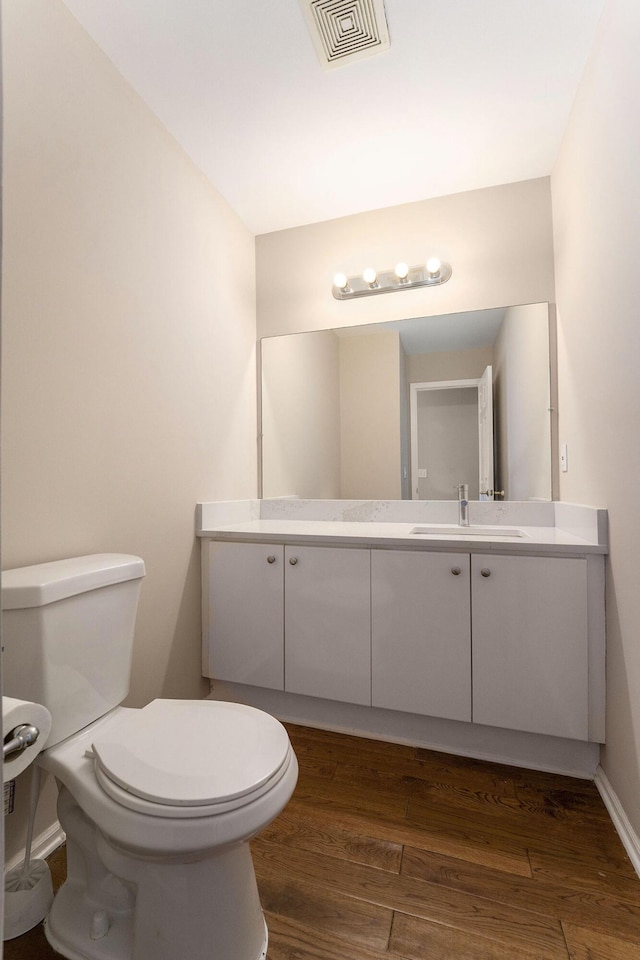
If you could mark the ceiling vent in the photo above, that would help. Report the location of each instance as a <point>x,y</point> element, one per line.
<point>346,30</point>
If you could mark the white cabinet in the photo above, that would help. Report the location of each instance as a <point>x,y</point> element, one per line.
<point>244,613</point>
<point>529,640</point>
<point>509,641</point>
<point>327,623</point>
<point>420,633</point>
<point>294,619</point>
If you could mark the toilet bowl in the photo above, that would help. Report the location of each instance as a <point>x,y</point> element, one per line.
<point>158,804</point>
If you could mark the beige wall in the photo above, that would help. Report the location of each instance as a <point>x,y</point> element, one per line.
<point>596,198</point>
<point>128,370</point>
<point>301,416</point>
<point>448,365</point>
<point>370,398</point>
<point>522,400</point>
<point>498,241</point>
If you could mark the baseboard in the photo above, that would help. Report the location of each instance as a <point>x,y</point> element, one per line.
<point>573,758</point>
<point>43,846</point>
<point>630,839</point>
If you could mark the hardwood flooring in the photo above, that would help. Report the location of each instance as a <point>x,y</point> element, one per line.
<point>388,852</point>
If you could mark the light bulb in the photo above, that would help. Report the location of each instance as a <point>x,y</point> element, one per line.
<point>433,266</point>
<point>340,281</point>
<point>369,276</point>
<point>402,270</point>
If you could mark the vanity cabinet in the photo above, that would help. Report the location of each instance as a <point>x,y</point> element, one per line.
<point>529,642</point>
<point>421,633</point>
<point>327,623</point>
<point>244,613</point>
<point>511,641</point>
<point>294,619</point>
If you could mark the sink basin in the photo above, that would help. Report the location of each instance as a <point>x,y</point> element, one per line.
<point>479,530</point>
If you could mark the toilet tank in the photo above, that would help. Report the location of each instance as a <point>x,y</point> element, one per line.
<point>67,632</point>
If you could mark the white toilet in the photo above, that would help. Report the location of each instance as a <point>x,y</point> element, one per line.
<point>158,804</point>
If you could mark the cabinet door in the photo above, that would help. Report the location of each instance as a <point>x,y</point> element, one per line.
<point>328,623</point>
<point>246,613</point>
<point>530,651</point>
<point>420,633</point>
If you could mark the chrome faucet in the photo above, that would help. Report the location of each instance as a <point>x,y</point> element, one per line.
<point>463,504</point>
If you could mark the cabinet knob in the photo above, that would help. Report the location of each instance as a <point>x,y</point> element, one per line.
<point>485,572</point>
<point>455,571</point>
<point>271,559</point>
<point>293,561</point>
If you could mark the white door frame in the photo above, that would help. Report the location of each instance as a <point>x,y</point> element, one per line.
<point>414,390</point>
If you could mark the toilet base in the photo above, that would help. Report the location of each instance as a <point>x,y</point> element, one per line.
<point>116,906</point>
<point>74,944</point>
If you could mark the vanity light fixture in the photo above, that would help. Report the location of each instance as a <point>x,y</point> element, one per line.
<point>341,283</point>
<point>402,271</point>
<point>404,277</point>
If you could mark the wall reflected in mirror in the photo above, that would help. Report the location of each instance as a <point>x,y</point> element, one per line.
<point>338,421</point>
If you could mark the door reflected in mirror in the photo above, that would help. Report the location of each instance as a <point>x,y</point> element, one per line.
<point>337,408</point>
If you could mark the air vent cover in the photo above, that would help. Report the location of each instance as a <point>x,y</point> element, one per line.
<point>346,30</point>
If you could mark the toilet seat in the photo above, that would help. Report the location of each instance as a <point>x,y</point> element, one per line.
<point>190,758</point>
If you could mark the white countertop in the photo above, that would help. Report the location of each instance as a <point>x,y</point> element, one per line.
<point>535,540</point>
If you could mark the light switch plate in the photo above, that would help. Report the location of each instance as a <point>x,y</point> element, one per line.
<point>564,462</point>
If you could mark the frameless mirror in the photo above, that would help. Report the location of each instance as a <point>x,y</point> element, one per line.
<point>411,408</point>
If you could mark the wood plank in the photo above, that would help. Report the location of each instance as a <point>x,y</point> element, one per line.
<point>350,796</point>
<point>322,834</point>
<point>330,746</point>
<point>591,945</point>
<point>530,827</point>
<point>438,765</point>
<point>416,939</point>
<point>441,837</point>
<point>597,911</point>
<point>309,765</point>
<point>291,940</point>
<point>347,741</point>
<point>584,800</point>
<point>411,778</point>
<point>451,839</point>
<point>533,810</point>
<point>321,908</point>
<point>519,928</point>
<point>586,869</point>
<point>542,780</point>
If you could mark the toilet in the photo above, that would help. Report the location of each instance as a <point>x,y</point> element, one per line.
<point>158,804</point>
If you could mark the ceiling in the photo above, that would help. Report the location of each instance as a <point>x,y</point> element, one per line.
<point>471,93</point>
<point>447,332</point>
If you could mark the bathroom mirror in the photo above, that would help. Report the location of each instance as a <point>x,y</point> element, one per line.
<point>395,410</point>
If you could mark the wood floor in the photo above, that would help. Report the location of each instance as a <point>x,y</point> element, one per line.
<point>387,851</point>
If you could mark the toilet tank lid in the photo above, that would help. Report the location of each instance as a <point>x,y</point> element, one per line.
<point>44,583</point>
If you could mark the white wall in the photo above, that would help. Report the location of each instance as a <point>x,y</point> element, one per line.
<point>301,416</point>
<point>447,434</point>
<point>596,199</point>
<point>128,372</point>
<point>498,241</point>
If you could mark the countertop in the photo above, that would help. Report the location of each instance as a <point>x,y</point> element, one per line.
<point>545,540</point>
